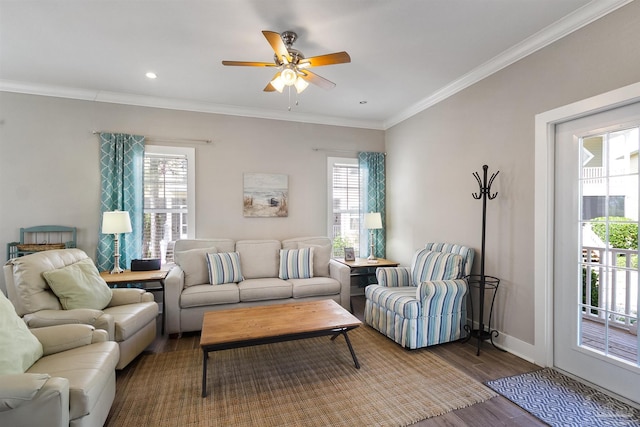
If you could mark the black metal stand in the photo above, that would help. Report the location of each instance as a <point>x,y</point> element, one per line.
<point>483,282</point>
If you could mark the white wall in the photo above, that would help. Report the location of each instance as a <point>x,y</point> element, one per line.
<point>492,122</point>
<point>49,165</point>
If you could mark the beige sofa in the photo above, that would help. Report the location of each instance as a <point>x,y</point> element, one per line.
<point>189,294</point>
<point>129,317</point>
<point>54,376</point>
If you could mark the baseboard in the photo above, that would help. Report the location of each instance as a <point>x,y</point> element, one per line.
<point>514,346</point>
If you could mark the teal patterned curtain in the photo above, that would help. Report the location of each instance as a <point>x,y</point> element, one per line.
<point>121,163</point>
<point>373,191</point>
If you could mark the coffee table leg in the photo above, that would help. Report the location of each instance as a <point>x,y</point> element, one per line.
<point>205,358</point>
<point>353,353</point>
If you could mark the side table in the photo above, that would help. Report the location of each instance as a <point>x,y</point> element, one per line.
<point>128,277</point>
<point>361,267</point>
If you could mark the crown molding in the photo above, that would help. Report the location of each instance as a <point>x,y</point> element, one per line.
<point>563,27</point>
<point>179,104</point>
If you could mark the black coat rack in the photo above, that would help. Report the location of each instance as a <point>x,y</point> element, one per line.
<point>481,281</point>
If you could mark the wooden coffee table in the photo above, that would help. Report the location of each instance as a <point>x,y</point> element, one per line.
<point>243,327</point>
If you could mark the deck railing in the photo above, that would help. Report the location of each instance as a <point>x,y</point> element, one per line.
<point>616,281</point>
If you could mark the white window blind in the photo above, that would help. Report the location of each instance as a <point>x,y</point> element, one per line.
<point>345,201</point>
<point>165,202</point>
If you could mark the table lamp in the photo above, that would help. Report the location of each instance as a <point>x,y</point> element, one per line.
<point>115,223</point>
<point>372,221</point>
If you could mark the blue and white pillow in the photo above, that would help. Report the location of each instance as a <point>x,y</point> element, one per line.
<point>428,265</point>
<point>224,268</point>
<point>296,263</point>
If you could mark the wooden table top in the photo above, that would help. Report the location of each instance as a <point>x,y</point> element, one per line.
<point>266,321</point>
<point>363,262</point>
<point>129,276</point>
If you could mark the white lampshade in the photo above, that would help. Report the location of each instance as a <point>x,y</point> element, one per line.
<point>372,221</point>
<point>277,83</point>
<point>301,84</point>
<point>116,222</point>
<point>288,75</point>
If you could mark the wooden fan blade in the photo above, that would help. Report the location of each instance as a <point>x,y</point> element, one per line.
<point>249,64</point>
<point>277,44</point>
<point>317,80</point>
<point>328,59</point>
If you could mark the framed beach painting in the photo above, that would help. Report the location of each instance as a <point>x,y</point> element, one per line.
<point>266,195</point>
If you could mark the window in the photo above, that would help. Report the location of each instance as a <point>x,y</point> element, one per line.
<point>344,204</point>
<point>169,201</point>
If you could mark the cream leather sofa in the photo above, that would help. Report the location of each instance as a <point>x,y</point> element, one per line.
<point>189,294</point>
<point>129,318</point>
<point>54,376</point>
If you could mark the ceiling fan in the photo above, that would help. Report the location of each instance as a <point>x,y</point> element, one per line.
<point>294,67</point>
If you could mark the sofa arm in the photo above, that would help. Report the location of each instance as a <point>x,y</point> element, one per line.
<point>44,318</point>
<point>444,296</point>
<point>173,285</point>
<point>55,339</point>
<point>342,273</point>
<point>124,296</point>
<point>393,276</point>
<point>34,399</point>
<point>15,389</point>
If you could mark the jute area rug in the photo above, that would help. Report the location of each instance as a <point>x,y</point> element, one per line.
<point>309,382</point>
<point>561,401</point>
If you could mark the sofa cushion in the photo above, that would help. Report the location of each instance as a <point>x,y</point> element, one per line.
<point>264,289</point>
<point>315,286</point>
<point>296,263</point>
<point>88,369</point>
<point>259,258</point>
<point>428,265</point>
<point>399,300</point>
<point>79,285</point>
<point>193,263</point>
<point>224,268</point>
<point>20,348</point>
<point>33,293</point>
<point>203,295</point>
<point>321,255</point>
<point>223,245</point>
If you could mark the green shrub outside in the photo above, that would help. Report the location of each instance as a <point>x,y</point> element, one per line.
<point>623,232</point>
<point>594,289</point>
<point>339,243</point>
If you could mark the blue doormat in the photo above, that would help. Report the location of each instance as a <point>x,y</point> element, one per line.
<point>562,401</point>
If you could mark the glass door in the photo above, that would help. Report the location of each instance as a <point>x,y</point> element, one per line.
<point>596,250</point>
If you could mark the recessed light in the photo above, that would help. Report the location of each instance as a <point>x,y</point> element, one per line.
<point>363,102</point>
<point>151,75</point>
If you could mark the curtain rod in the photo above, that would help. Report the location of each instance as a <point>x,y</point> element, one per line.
<point>163,139</point>
<point>332,150</point>
<point>335,150</point>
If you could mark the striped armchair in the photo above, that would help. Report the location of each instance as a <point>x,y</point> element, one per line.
<point>423,305</point>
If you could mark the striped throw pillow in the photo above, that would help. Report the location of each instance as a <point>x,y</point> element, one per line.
<point>224,268</point>
<point>428,265</point>
<point>296,263</point>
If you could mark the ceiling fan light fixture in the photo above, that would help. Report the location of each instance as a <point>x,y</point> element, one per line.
<point>277,83</point>
<point>288,76</point>
<point>301,84</point>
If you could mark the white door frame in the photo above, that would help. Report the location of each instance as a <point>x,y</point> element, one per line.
<point>544,206</point>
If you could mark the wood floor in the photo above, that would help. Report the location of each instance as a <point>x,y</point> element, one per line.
<point>491,364</point>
